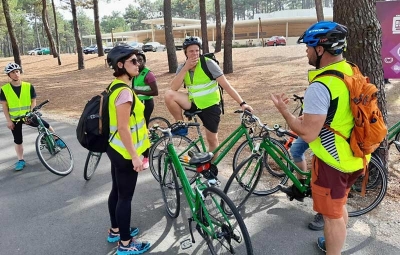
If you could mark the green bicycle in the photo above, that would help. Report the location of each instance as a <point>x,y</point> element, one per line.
<point>57,159</point>
<point>185,145</point>
<point>222,231</point>
<point>250,176</point>
<point>93,158</point>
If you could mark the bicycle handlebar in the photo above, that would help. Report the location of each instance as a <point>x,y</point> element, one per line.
<point>37,107</point>
<point>296,97</point>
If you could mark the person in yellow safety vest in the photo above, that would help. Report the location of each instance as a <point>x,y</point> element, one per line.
<point>326,103</point>
<point>129,140</point>
<point>17,98</point>
<point>145,87</point>
<point>203,93</point>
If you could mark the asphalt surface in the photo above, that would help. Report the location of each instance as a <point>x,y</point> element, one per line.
<point>42,213</point>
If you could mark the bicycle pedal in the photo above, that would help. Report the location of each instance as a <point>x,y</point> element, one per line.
<point>186,244</point>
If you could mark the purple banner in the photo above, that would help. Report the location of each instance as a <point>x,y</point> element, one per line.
<point>389,16</point>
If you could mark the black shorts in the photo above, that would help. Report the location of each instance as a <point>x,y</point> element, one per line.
<point>210,116</point>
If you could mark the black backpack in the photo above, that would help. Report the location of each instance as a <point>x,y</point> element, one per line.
<point>208,73</point>
<point>93,130</point>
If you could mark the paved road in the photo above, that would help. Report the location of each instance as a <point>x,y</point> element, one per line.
<point>41,213</point>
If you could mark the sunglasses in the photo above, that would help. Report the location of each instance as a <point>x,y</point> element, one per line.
<point>133,60</point>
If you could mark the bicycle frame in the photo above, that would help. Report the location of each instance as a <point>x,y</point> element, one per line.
<point>193,196</point>
<point>393,131</point>
<point>42,129</point>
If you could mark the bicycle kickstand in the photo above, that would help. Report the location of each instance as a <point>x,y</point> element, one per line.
<point>190,229</point>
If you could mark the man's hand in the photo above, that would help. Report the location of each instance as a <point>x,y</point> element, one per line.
<point>10,125</point>
<point>190,63</point>
<point>280,102</point>
<point>247,107</point>
<point>137,164</point>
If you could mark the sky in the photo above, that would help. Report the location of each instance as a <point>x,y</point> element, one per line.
<point>104,8</point>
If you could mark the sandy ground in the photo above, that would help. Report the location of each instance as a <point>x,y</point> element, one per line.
<point>257,73</point>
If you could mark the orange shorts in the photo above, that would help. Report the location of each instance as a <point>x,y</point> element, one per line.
<point>330,188</point>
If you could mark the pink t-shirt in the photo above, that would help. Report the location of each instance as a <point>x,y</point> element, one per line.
<point>124,96</point>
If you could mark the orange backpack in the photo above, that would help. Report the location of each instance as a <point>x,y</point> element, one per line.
<point>369,127</point>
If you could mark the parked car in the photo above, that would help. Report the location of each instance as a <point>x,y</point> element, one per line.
<point>107,49</point>
<point>92,49</point>
<point>44,51</point>
<point>153,46</point>
<point>276,40</point>
<point>136,45</point>
<point>39,51</point>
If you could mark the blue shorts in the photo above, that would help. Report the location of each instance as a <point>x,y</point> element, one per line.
<point>297,150</point>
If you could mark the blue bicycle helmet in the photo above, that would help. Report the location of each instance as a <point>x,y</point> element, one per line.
<point>191,41</point>
<point>328,34</point>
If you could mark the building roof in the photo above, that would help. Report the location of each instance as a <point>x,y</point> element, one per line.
<point>175,21</point>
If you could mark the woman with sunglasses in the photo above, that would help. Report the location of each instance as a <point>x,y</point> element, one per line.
<point>145,87</point>
<point>130,140</point>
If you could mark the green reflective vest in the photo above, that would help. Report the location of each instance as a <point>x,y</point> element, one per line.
<point>202,91</point>
<point>333,149</point>
<point>18,107</point>
<point>139,84</point>
<point>137,125</point>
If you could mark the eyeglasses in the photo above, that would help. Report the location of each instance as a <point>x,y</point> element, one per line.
<point>134,61</point>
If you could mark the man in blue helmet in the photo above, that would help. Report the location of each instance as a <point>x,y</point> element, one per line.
<point>327,107</point>
<point>203,93</point>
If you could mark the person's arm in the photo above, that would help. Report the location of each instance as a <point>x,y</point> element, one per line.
<point>10,124</point>
<point>33,97</point>
<point>150,80</point>
<point>177,81</point>
<point>123,116</point>
<point>232,92</point>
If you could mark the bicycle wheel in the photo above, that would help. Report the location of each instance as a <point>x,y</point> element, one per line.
<point>181,143</point>
<point>273,176</point>
<point>56,159</point>
<point>154,134</point>
<point>397,138</point>
<point>375,191</point>
<point>92,161</point>
<point>226,233</point>
<point>244,180</point>
<point>169,185</point>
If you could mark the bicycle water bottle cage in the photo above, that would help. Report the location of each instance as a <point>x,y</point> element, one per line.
<point>190,115</point>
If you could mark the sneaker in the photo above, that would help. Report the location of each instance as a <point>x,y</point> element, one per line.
<point>145,163</point>
<point>180,131</point>
<point>134,247</point>
<point>19,165</point>
<point>318,223</point>
<point>60,144</point>
<point>114,236</point>
<point>321,243</point>
<point>292,192</point>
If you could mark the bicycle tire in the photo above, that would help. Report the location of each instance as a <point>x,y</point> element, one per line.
<point>57,160</point>
<point>244,180</point>
<point>273,176</point>
<point>92,161</point>
<point>358,205</point>
<point>169,185</point>
<point>226,228</point>
<point>397,138</point>
<point>181,143</point>
<point>155,135</point>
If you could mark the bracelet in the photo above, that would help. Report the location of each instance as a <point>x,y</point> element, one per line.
<point>242,103</point>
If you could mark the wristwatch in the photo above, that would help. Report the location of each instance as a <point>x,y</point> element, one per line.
<point>242,103</point>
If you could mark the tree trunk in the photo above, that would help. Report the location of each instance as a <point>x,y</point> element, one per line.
<point>364,42</point>
<point>203,19</point>
<point>37,38</point>
<point>169,38</point>
<point>56,31</point>
<point>320,10</point>
<point>218,38</point>
<point>81,63</point>
<point>100,51</point>
<point>14,43</point>
<point>45,21</point>
<point>228,37</point>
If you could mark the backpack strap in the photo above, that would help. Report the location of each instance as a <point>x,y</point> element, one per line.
<point>204,66</point>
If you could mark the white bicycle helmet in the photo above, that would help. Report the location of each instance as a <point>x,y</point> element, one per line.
<point>11,67</point>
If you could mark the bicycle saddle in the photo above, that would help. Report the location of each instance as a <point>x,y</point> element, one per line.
<point>189,114</point>
<point>201,157</point>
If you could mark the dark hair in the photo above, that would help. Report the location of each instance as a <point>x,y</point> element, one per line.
<point>121,71</point>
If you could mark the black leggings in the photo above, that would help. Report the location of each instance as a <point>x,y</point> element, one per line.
<point>148,110</point>
<point>124,180</point>
<point>17,131</point>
